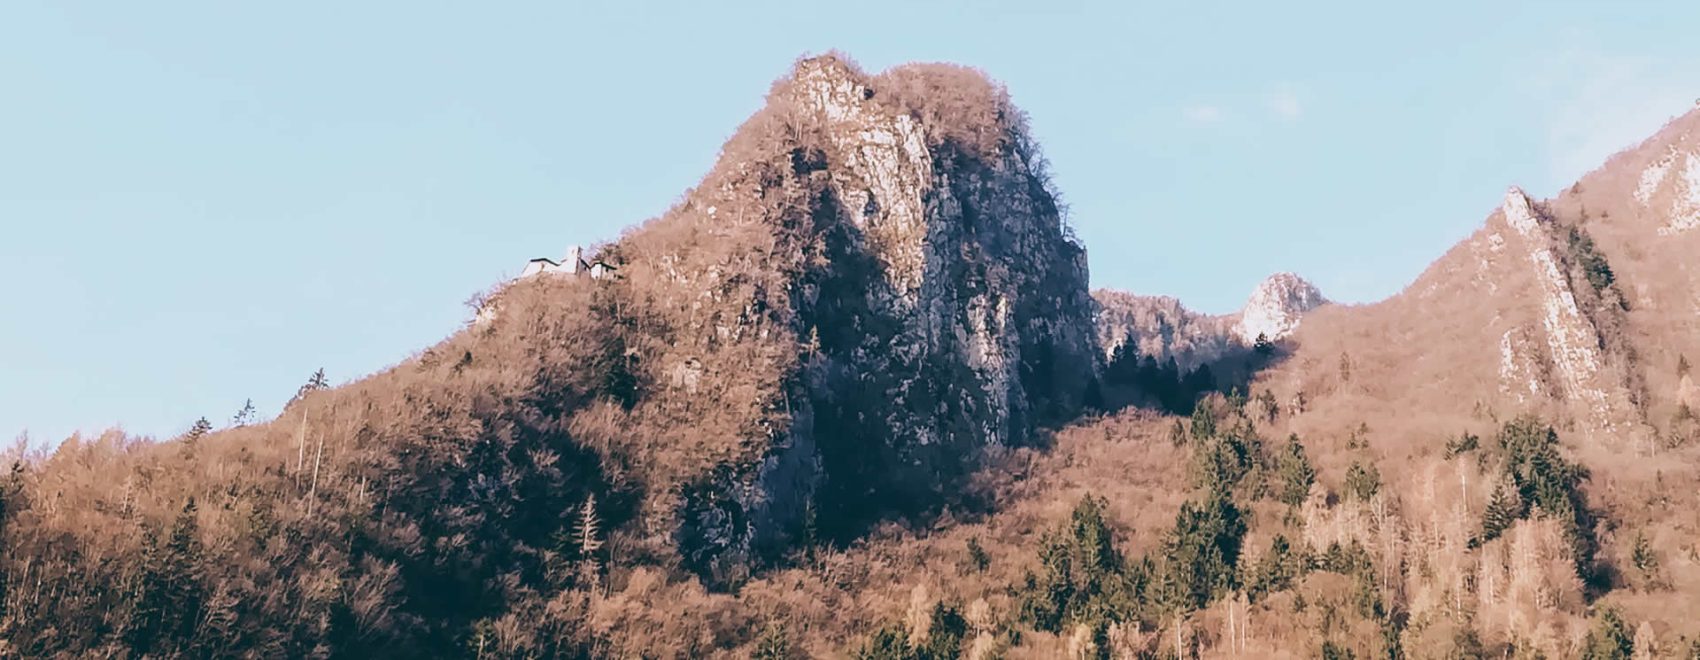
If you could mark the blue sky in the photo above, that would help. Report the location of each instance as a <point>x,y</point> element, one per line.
<point>201,203</point>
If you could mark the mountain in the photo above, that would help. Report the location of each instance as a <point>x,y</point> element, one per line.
<point>872,287</point>
<point>1162,328</point>
<point>853,395</point>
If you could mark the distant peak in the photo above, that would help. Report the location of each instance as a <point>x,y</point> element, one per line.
<point>1276,306</point>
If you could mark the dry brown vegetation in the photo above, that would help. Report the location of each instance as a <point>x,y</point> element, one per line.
<point>570,477</point>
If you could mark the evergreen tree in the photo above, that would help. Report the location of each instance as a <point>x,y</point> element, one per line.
<point>168,596</point>
<point>1219,462</point>
<point>1609,639</point>
<point>1682,367</point>
<point>888,643</point>
<point>1642,556</point>
<point>1236,400</point>
<point>1545,479</point>
<point>1503,509</point>
<point>1463,443</point>
<point>314,383</point>
<point>1263,346</point>
<point>200,429</point>
<point>1203,553</point>
<point>147,598</point>
<point>183,591</point>
<point>1081,576</point>
<point>1296,473</point>
<point>1466,644</point>
<point>945,631</point>
<point>317,381</point>
<point>1203,422</point>
<point>245,416</point>
<point>977,556</point>
<point>1363,482</point>
<point>1588,257</point>
<point>1277,570</point>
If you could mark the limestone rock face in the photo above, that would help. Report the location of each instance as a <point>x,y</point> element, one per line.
<point>1670,186</point>
<point>1574,351</point>
<point>890,244</point>
<point>973,264</point>
<point>1276,307</point>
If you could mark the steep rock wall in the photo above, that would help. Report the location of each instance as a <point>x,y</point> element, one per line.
<point>877,274</point>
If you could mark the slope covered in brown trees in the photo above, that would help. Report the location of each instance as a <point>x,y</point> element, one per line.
<point>851,397</point>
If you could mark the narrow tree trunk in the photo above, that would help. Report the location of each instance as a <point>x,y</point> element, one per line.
<point>312,493</point>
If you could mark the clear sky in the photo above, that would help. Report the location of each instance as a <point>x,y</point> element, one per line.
<point>201,203</point>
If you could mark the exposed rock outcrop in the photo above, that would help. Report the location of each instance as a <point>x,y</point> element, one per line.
<point>1574,345</point>
<point>1276,307</point>
<point>888,246</point>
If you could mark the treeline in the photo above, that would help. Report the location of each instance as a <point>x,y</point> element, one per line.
<point>1142,380</point>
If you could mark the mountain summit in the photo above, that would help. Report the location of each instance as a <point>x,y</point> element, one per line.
<point>1276,307</point>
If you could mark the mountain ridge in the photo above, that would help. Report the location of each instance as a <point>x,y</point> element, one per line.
<point>854,392</point>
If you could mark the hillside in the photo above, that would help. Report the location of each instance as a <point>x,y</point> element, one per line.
<point>853,397</point>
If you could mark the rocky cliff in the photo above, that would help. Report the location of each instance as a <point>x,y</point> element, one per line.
<point>877,282</point>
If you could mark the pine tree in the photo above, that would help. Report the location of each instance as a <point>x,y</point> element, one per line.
<point>945,629</point>
<point>1503,509</point>
<point>1363,482</point>
<point>1263,346</point>
<point>1609,638</point>
<point>183,591</point>
<point>977,556</point>
<point>1641,554</point>
<point>1203,422</point>
<point>1296,473</point>
<point>314,383</point>
<point>147,597</point>
<point>201,428</point>
<point>245,416</point>
<point>890,642</point>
